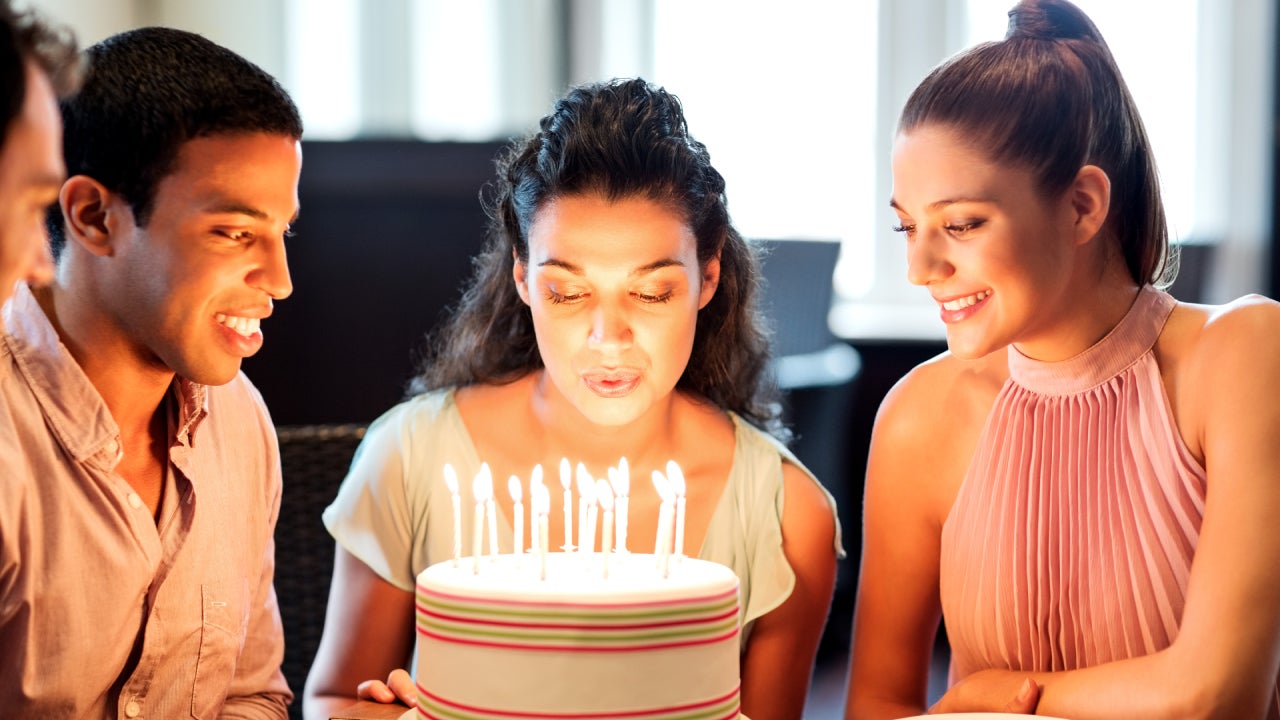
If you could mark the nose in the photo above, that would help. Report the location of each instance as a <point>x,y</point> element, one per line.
<point>926,258</point>
<point>610,326</point>
<point>271,274</point>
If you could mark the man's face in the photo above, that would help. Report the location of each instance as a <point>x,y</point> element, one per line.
<point>188,290</point>
<point>31,171</point>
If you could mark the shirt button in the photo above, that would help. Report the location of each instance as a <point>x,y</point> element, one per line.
<point>113,447</point>
<point>132,709</point>
<point>135,501</point>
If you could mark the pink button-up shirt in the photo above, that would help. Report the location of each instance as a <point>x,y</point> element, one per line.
<point>105,612</point>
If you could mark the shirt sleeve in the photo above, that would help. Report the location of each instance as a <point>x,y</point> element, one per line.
<point>370,518</point>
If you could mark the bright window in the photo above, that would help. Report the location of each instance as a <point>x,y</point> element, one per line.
<point>783,96</point>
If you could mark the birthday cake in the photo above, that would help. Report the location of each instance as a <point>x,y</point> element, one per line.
<point>507,636</point>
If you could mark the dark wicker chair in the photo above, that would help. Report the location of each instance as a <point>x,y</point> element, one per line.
<point>314,459</point>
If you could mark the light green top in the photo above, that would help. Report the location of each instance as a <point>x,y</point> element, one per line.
<point>394,511</point>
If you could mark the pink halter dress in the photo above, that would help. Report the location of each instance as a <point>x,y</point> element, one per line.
<point>1071,539</point>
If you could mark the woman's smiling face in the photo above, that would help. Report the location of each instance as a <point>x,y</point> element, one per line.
<point>995,254</point>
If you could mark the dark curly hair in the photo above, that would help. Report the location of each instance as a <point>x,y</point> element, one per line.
<point>1050,97</point>
<point>620,139</point>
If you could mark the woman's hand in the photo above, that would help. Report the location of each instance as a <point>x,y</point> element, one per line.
<point>399,686</point>
<point>991,691</point>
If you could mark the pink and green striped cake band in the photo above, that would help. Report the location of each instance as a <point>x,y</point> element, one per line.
<point>434,707</point>
<point>535,626</point>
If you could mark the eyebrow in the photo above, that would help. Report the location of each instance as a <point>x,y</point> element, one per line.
<point>642,270</point>
<point>235,208</point>
<point>939,204</point>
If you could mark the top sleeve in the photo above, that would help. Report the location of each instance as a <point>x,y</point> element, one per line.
<point>371,517</point>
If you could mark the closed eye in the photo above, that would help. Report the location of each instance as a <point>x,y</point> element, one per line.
<point>650,298</point>
<point>556,298</point>
<point>964,227</point>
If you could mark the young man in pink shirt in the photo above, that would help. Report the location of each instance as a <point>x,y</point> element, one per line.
<point>141,476</point>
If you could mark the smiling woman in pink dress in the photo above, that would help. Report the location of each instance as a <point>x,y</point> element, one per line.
<point>1084,487</point>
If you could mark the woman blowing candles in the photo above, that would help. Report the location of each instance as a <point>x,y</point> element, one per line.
<point>611,315</point>
<point>1084,487</point>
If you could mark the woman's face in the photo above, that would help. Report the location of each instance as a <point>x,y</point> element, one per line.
<point>995,255</point>
<point>614,287</point>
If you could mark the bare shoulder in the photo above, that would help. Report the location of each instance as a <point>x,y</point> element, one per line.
<point>941,392</point>
<point>1202,337</point>
<point>1215,354</point>
<point>926,431</point>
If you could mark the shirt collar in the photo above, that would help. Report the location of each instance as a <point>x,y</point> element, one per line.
<point>73,408</point>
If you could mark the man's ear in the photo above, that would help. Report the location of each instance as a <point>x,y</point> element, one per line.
<point>1090,195</point>
<point>520,275</point>
<point>91,214</point>
<point>710,281</point>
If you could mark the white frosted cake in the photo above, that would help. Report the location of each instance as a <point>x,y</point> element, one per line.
<point>506,643</point>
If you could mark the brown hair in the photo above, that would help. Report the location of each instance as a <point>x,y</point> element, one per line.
<point>1050,97</point>
<point>25,37</point>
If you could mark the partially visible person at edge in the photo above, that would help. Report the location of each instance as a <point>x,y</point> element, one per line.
<point>612,315</point>
<point>38,63</point>
<point>141,474</point>
<point>1084,487</point>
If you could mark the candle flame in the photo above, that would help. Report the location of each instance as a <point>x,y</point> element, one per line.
<point>620,479</point>
<point>482,486</point>
<point>566,473</point>
<point>540,499</point>
<point>513,484</point>
<point>677,478</point>
<point>663,487</point>
<point>604,495</point>
<point>586,484</point>
<point>451,478</point>
<point>536,475</point>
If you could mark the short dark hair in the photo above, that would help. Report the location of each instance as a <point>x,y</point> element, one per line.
<point>1050,97</point>
<point>620,139</point>
<point>145,93</point>
<point>26,37</point>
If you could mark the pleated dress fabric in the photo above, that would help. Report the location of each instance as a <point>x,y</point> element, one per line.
<point>1071,539</point>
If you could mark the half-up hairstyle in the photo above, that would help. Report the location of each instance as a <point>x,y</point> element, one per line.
<point>620,139</point>
<point>1050,97</point>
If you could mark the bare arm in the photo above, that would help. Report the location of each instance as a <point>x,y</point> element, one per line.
<point>897,609</point>
<point>1225,660</point>
<point>778,664</point>
<point>368,633</point>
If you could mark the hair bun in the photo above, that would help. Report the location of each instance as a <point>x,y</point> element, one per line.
<point>1050,20</point>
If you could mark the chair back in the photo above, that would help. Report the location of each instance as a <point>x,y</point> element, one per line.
<point>314,459</point>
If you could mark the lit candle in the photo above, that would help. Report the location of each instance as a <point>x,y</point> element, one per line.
<point>678,486</point>
<point>517,517</point>
<point>586,484</point>
<point>662,543</point>
<point>587,510</point>
<point>566,479</point>
<point>477,525</point>
<point>604,496</point>
<point>621,481</point>
<point>451,481</point>
<point>491,516</point>
<point>540,505</point>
